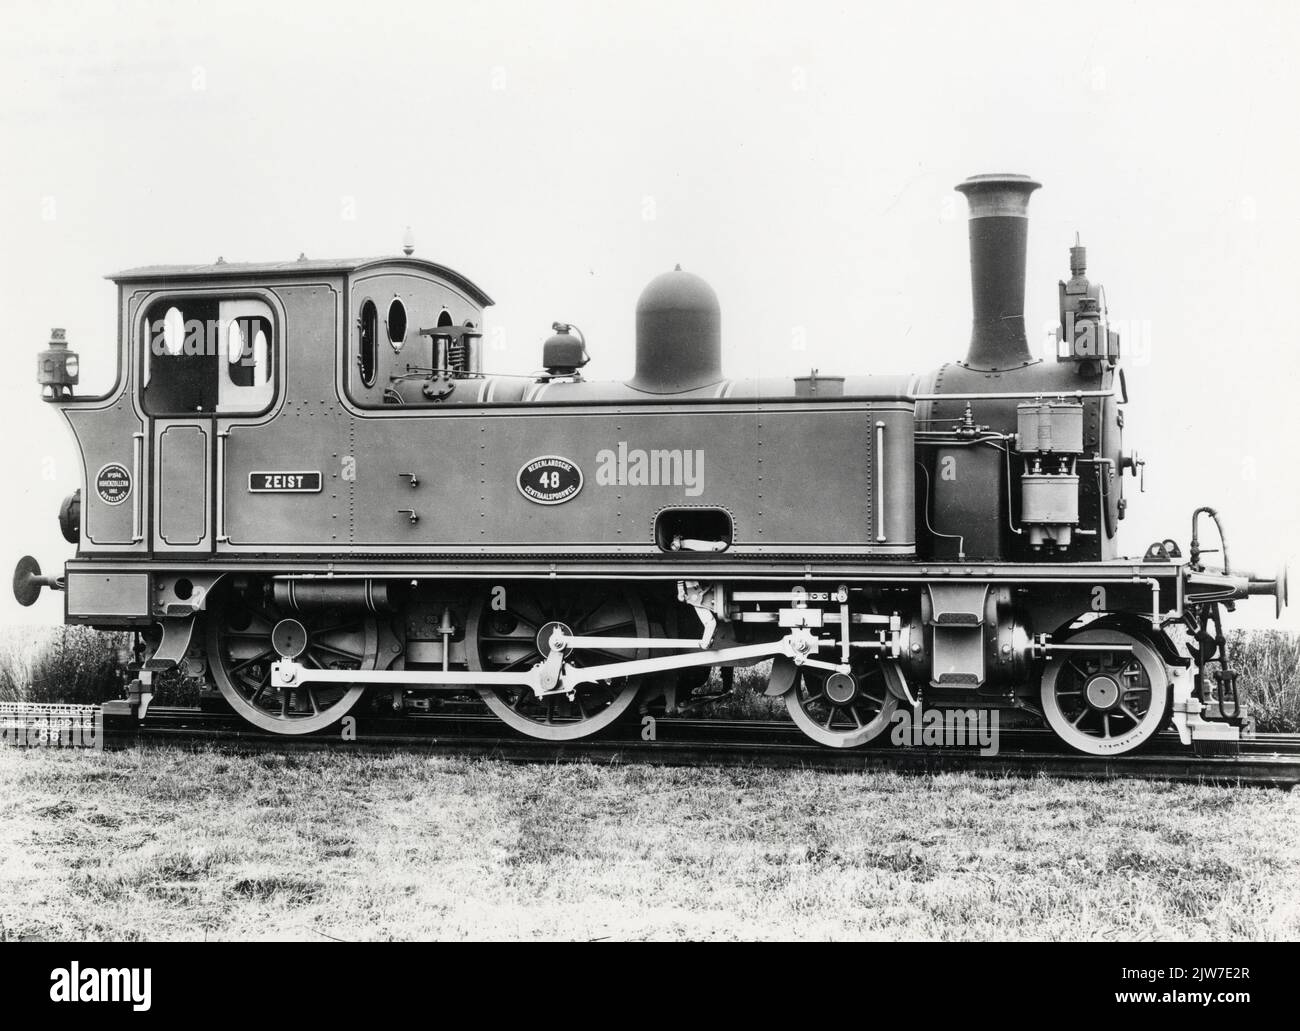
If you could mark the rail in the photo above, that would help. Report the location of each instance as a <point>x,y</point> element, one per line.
<point>1265,760</point>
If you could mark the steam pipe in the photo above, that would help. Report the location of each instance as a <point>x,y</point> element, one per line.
<point>1223,540</point>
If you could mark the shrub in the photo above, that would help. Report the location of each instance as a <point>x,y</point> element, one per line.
<point>172,687</point>
<point>1268,662</point>
<point>76,666</point>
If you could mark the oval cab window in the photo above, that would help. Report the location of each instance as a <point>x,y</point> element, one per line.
<point>234,342</point>
<point>173,331</point>
<point>368,331</point>
<point>396,323</point>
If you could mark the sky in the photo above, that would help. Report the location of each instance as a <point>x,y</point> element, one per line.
<point>799,156</point>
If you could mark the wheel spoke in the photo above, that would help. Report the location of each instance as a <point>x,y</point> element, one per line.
<point>581,621</point>
<point>612,656</point>
<point>524,619</point>
<point>511,666</point>
<point>595,630</point>
<point>317,645</point>
<point>261,686</point>
<point>262,614</point>
<point>243,664</point>
<point>539,618</point>
<point>351,628</point>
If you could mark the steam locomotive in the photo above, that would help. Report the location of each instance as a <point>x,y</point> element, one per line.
<point>305,489</point>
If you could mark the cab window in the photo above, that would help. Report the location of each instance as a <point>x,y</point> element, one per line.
<point>208,355</point>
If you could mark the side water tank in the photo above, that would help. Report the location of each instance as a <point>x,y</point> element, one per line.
<point>678,335</point>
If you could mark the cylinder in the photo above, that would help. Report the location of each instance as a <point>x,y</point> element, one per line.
<point>999,232</point>
<point>678,335</point>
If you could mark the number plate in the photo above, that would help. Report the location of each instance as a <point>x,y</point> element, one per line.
<point>549,480</point>
<point>284,483</point>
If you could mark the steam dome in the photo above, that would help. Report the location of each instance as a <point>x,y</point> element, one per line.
<point>678,335</point>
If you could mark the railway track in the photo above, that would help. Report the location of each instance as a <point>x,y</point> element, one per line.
<point>1265,760</point>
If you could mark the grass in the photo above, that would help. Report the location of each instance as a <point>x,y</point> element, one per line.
<point>214,843</point>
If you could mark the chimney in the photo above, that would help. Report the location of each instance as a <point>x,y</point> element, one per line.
<point>999,228</point>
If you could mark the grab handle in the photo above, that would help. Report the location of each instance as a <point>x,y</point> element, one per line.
<point>137,507</point>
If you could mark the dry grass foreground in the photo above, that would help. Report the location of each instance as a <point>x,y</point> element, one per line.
<point>176,843</point>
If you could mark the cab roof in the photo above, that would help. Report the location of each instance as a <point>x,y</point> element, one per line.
<point>302,266</point>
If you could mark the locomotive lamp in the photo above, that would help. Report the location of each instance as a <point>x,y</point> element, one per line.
<point>57,368</point>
